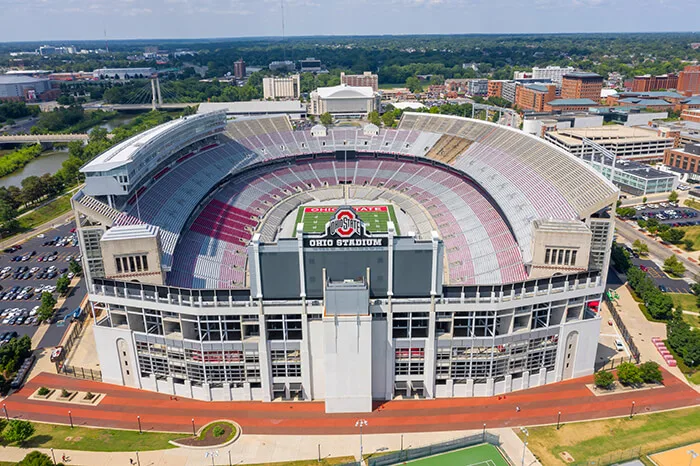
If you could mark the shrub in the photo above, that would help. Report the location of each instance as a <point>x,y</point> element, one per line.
<point>629,374</point>
<point>43,391</point>
<point>89,396</point>
<point>64,393</point>
<point>651,373</point>
<point>18,431</point>
<point>603,379</point>
<point>218,431</point>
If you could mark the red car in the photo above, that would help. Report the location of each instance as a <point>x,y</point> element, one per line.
<point>644,268</point>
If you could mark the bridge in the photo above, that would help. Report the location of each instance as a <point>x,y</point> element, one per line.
<point>148,97</point>
<point>42,138</point>
<point>135,107</point>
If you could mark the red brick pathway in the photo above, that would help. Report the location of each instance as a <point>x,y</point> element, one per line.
<point>161,413</point>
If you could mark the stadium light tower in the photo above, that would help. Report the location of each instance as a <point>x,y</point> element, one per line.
<point>361,423</point>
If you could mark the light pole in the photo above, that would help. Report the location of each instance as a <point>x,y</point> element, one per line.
<point>483,433</point>
<point>632,411</point>
<point>53,456</point>
<point>212,455</point>
<point>693,455</point>
<point>4,408</point>
<point>361,423</point>
<point>138,460</point>
<point>194,434</point>
<point>138,418</point>
<point>70,416</point>
<point>558,419</point>
<point>527,435</point>
<point>401,442</point>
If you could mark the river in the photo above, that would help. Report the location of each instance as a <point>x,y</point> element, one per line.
<point>47,162</point>
<point>115,122</point>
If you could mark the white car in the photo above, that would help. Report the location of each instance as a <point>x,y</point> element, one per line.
<point>619,345</point>
<point>41,236</point>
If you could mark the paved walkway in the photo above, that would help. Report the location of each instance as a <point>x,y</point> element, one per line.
<point>159,412</point>
<point>272,448</point>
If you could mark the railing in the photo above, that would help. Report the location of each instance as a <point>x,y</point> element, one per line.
<point>82,373</point>
<point>402,456</point>
<point>613,363</point>
<point>623,329</point>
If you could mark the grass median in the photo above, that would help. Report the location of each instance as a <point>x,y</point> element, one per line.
<point>614,438</point>
<point>86,439</point>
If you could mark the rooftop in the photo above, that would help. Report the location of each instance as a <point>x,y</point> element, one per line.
<point>582,74</point>
<point>343,91</point>
<point>20,79</point>
<point>646,102</point>
<point>260,106</point>
<point>606,134</point>
<point>572,102</point>
<point>130,232</point>
<point>537,87</point>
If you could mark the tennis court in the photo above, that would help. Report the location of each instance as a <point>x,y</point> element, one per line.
<point>480,455</point>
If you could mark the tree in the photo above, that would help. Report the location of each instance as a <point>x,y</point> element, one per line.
<point>413,84</point>
<point>626,212</point>
<point>672,235</point>
<point>374,118</point>
<point>644,200</point>
<point>673,197</point>
<point>389,119</point>
<point>674,267</point>
<point>651,373</point>
<point>17,431</point>
<point>8,216</point>
<point>603,379</point>
<point>75,267</point>
<point>688,244</point>
<point>46,310</point>
<point>629,374</point>
<point>36,458</point>
<point>326,119</point>
<point>621,258</point>
<point>62,285</point>
<point>640,248</point>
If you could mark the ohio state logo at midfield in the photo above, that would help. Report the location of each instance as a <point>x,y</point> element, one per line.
<point>345,223</point>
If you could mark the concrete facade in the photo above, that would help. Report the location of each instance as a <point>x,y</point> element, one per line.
<point>282,88</point>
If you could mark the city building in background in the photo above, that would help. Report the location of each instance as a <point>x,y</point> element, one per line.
<point>689,80</point>
<point>123,73</point>
<point>581,85</point>
<point>286,65</point>
<point>26,88</point>
<point>686,158</point>
<point>239,71</point>
<point>344,101</point>
<point>648,82</point>
<point>282,88</point>
<point>535,96</point>
<point>570,105</point>
<point>310,65</point>
<point>366,79</point>
<point>294,109</point>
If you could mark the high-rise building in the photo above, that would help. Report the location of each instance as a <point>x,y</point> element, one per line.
<point>477,87</point>
<point>535,96</point>
<point>495,88</point>
<point>555,73</point>
<point>239,69</point>
<point>366,79</point>
<point>648,82</point>
<point>689,80</point>
<point>581,85</point>
<point>282,88</point>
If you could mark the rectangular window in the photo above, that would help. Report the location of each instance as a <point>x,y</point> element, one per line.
<point>138,263</point>
<point>119,265</point>
<point>145,262</point>
<point>132,265</point>
<point>560,259</point>
<point>573,257</point>
<point>566,257</point>
<point>546,256</point>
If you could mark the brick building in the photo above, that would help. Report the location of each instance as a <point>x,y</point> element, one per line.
<point>648,82</point>
<point>366,79</point>
<point>686,158</point>
<point>239,69</point>
<point>689,80</point>
<point>570,105</point>
<point>535,96</point>
<point>581,85</point>
<point>495,88</point>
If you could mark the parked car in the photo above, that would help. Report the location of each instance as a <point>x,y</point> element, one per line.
<point>619,345</point>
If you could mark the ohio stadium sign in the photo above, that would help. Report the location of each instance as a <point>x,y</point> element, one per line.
<point>345,230</point>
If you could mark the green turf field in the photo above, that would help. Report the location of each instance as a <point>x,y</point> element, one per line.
<point>480,455</point>
<point>315,222</point>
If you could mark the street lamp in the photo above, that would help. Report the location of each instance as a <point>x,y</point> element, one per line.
<point>138,418</point>
<point>212,455</point>
<point>632,411</point>
<point>558,419</point>
<point>70,416</point>
<point>4,408</point>
<point>53,456</point>
<point>527,435</point>
<point>693,455</point>
<point>193,431</point>
<point>361,423</point>
<point>483,433</point>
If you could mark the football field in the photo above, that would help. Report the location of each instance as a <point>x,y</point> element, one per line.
<point>480,455</point>
<point>375,217</point>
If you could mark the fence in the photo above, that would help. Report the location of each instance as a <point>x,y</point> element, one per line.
<point>82,373</point>
<point>613,363</point>
<point>611,458</point>
<point>74,334</point>
<point>421,452</point>
<point>623,329</point>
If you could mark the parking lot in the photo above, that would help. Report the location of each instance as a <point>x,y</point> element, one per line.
<point>669,214</point>
<point>27,272</point>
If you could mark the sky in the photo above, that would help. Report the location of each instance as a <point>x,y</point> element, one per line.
<point>37,20</point>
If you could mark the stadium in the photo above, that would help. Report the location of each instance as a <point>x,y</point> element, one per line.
<point>246,260</point>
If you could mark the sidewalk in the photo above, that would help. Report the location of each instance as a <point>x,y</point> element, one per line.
<point>273,448</point>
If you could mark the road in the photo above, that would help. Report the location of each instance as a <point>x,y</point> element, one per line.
<point>655,249</point>
<point>55,332</point>
<point>673,285</point>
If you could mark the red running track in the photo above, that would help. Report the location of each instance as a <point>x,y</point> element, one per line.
<point>161,413</point>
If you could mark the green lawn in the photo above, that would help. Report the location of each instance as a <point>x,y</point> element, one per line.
<point>466,457</point>
<point>692,233</point>
<point>47,212</point>
<point>687,302</point>
<point>615,438</point>
<point>376,221</point>
<point>83,438</point>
